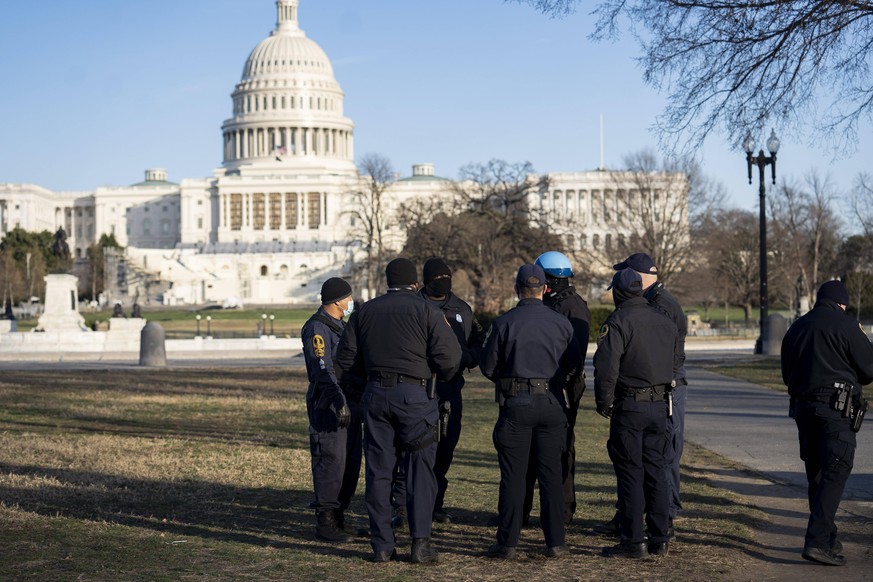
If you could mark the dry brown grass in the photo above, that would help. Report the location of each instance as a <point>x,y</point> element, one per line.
<point>177,474</point>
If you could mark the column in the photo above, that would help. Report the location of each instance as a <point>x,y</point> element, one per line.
<point>324,208</point>
<point>308,132</point>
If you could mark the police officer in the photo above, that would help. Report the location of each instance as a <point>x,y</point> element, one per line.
<point>531,355</point>
<point>655,292</point>
<point>634,367</point>
<point>438,289</point>
<point>399,340</point>
<point>334,420</point>
<point>826,358</point>
<point>562,297</point>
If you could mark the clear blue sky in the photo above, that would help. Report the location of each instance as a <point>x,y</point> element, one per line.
<point>96,91</point>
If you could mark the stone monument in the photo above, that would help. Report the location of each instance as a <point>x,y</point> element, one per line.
<point>61,293</point>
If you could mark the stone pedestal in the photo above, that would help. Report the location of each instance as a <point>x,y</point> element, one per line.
<point>61,305</point>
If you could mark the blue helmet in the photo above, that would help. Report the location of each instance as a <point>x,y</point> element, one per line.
<point>555,264</point>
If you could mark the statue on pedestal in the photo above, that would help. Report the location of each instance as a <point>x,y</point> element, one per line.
<point>61,250</point>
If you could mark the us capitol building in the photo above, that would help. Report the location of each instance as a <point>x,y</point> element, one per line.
<point>268,226</point>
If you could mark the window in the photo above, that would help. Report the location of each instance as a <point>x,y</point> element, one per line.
<point>165,226</point>
<point>164,208</point>
<point>291,210</point>
<point>264,271</point>
<point>314,216</point>
<point>595,241</point>
<point>235,211</point>
<point>146,226</point>
<point>275,211</point>
<point>258,218</point>
<point>199,222</point>
<point>283,271</point>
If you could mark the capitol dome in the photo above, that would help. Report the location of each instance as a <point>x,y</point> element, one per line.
<point>288,107</point>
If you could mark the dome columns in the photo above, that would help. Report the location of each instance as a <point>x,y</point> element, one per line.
<point>287,141</point>
<point>287,19</point>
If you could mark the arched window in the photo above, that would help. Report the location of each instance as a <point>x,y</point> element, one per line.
<point>595,241</point>
<point>283,271</point>
<point>264,271</point>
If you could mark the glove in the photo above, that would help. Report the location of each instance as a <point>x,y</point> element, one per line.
<point>605,411</point>
<point>343,417</point>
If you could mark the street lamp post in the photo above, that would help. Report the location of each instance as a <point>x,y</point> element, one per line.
<point>208,326</point>
<point>272,318</point>
<point>762,161</point>
<point>197,317</point>
<point>264,324</point>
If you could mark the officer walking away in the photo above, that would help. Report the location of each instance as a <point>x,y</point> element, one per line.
<point>634,366</point>
<point>532,356</point>
<point>438,289</point>
<point>334,420</point>
<point>826,358</point>
<point>655,292</point>
<point>399,341</point>
<point>563,298</point>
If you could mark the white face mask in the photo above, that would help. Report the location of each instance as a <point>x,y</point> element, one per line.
<point>349,308</point>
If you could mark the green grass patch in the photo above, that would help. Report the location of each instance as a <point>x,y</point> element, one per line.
<point>175,474</point>
<point>761,370</point>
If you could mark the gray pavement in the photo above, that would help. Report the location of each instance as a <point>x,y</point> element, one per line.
<point>749,424</point>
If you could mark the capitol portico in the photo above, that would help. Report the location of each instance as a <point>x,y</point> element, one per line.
<point>270,224</point>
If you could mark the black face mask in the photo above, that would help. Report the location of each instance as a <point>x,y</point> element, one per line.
<point>619,296</point>
<point>439,287</point>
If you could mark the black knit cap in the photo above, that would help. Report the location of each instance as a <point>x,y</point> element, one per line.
<point>334,289</point>
<point>434,268</point>
<point>835,291</point>
<point>401,272</point>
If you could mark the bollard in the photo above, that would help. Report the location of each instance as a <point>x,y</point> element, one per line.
<point>776,328</point>
<point>152,348</point>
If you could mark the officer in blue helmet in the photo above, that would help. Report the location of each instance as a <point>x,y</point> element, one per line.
<point>561,296</point>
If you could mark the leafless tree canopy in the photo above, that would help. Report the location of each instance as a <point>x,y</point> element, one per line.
<point>740,65</point>
<point>804,237</point>
<point>368,218</point>
<point>486,228</point>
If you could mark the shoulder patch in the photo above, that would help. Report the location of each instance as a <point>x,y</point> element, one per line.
<point>604,329</point>
<point>861,327</point>
<point>318,345</point>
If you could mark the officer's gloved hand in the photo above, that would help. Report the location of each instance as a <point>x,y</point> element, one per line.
<point>343,417</point>
<point>605,411</point>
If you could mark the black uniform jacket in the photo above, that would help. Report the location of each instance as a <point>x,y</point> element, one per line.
<point>658,295</point>
<point>401,334</point>
<point>531,341</point>
<point>825,346</point>
<point>571,305</point>
<point>469,332</point>
<point>636,349</point>
<point>320,342</point>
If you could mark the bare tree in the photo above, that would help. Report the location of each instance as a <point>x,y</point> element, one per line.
<point>862,204</point>
<point>729,244</point>
<point>644,208</point>
<point>368,217</point>
<point>739,66</point>
<point>805,235</point>
<point>488,226</point>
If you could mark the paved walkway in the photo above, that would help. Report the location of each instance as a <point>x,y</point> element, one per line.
<point>749,425</point>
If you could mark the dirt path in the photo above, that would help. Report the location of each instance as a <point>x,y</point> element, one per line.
<point>776,556</point>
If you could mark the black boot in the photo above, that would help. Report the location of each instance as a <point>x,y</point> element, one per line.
<point>340,517</point>
<point>326,527</point>
<point>423,552</point>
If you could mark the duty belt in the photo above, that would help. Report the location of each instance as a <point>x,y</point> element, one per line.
<point>390,379</point>
<point>822,394</point>
<point>513,386</point>
<point>645,393</point>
